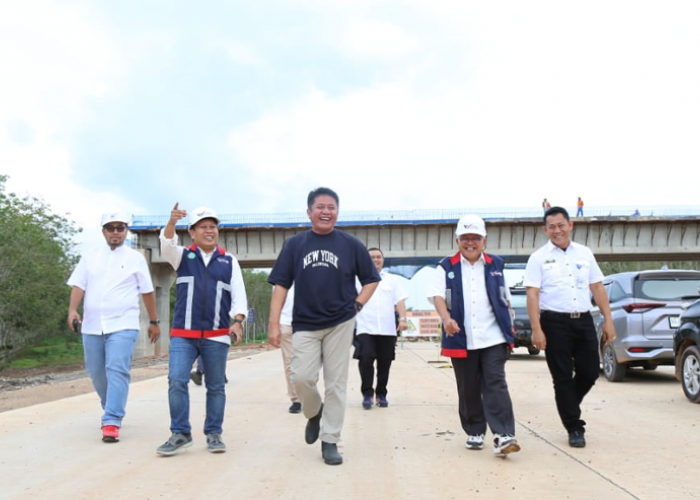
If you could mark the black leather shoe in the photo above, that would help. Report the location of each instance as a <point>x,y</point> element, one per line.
<point>330,453</point>
<point>313,427</point>
<point>577,439</point>
<point>295,408</point>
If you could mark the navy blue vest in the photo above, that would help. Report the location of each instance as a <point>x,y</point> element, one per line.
<point>203,298</point>
<point>456,345</point>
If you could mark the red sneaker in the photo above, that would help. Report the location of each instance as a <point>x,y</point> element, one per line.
<point>110,433</point>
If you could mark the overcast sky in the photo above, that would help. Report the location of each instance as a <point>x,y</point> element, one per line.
<point>247,105</point>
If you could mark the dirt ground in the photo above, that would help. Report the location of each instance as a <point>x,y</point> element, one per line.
<point>20,388</point>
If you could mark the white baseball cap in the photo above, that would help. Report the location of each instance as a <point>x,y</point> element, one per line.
<point>470,224</point>
<point>116,216</point>
<point>202,213</point>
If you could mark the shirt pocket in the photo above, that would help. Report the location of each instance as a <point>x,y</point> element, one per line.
<point>582,271</point>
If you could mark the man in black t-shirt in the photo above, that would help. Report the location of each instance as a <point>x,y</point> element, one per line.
<point>322,264</point>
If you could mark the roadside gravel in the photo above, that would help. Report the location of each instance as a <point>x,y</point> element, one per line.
<point>20,388</point>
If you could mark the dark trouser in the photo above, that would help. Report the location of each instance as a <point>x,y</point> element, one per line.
<point>371,348</point>
<point>572,358</point>
<point>483,391</point>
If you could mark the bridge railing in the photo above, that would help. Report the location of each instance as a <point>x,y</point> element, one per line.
<point>424,216</point>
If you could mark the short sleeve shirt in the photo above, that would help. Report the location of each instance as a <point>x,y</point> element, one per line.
<point>112,281</point>
<point>377,316</point>
<point>323,269</point>
<point>563,277</point>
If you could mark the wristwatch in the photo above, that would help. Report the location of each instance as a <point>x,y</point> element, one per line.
<point>404,319</point>
<point>236,320</point>
<point>155,322</point>
<point>359,305</point>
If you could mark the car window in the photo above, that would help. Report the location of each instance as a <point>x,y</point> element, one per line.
<point>666,289</point>
<point>616,292</point>
<point>517,301</point>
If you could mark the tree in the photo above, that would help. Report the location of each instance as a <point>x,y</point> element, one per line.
<point>35,261</point>
<point>259,292</point>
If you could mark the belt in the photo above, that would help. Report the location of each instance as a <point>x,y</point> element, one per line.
<point>574,315</point>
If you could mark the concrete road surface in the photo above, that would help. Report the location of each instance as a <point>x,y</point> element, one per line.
<point>643,442</point>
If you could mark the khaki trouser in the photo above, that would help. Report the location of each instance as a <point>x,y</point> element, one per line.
<point>329,348</point>
<point>287,349</point>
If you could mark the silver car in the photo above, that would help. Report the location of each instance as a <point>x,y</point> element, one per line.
<point>646,308</point>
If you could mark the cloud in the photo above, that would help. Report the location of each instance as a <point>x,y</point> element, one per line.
<point>377,39</point>
<point>552,101</point>
<point>66,61</point>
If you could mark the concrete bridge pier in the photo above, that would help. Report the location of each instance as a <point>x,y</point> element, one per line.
<point>163,277</point>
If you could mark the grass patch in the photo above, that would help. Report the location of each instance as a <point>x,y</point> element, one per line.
<point>56,350</point>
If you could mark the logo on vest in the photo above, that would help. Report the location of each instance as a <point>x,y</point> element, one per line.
<point>191,255</point>
<point>496,273</point>
<point>322,258</point>
<point>222,260</point>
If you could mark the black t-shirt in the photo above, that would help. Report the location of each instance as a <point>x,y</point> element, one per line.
<point>323,268</point>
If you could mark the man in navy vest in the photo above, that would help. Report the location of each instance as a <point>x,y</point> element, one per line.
<point>473,301</point>
<point>210,306</point>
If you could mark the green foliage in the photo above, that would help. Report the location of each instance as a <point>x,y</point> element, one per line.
<point>259,292</point>
<point>54,350</point>
<point>35,261</point>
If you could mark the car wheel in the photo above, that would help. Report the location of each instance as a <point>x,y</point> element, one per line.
<point>690,373</point>
<point>612,370</point>
<point>534,351</point>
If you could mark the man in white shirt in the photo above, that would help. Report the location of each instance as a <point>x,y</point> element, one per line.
<point>210,306</point>
<point>559,278</point>
<point>110,278</point>
<point>471,296</point>
<point>376,333</point>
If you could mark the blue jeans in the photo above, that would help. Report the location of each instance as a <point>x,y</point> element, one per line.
<point>183,352</point>
<point>108,361</point>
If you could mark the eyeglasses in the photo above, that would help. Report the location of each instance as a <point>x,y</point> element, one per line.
<point>110,228</point>
<point>470,239</point>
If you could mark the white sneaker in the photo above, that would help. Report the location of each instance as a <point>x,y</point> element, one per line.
<point>504,444</point>
<point>475,442</point>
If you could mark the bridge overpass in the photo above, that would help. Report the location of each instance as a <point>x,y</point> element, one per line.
<point>411,240</point>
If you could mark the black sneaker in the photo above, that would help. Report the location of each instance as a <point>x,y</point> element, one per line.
<point>330,454</point>
<point>382,402</point>
<point>196,377</point>
<point>577,439</point>
<point>174,444</point>
<point>367,402</point>
<point>313,427</point>
<point>295,408</point>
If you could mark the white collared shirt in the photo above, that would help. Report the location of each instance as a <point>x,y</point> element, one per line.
<point>172,252</point>
<point>377,316</point>
<point>479,319</point>
<point>563,277</point>
<point>112,281</point>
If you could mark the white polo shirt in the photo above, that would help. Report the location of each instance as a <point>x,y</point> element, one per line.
<point>112,281</point>
<point>377,316</point>
<point>563,277</point>
<point>479,319</point>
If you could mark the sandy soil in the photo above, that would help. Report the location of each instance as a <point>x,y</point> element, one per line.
<point>20,388</point>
